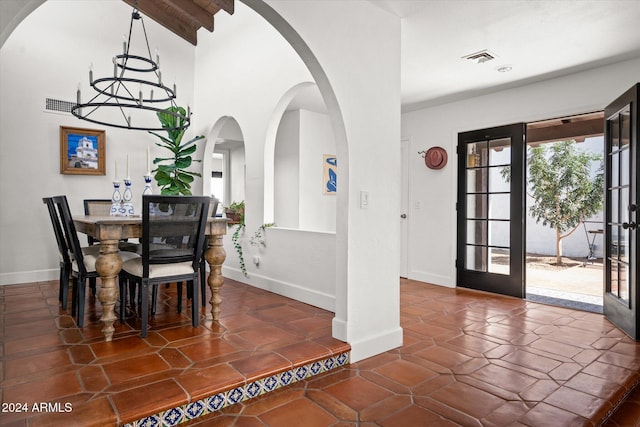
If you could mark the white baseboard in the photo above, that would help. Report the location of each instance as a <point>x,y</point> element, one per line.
<point>289,290</point>
<point>339,329</point>
<point>377,344</point>
<point>29,276</point>
<point>434,279</point>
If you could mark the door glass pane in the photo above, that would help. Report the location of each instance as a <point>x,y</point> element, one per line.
<point>624,166</point>
<point>477,181</point>
<point>615,241</point>
<point>476,258</point>
<point>477,206</point>
<point>500,152</point>
<point>623,244</point>
<point>499,233</point>
<point>499,206</point>
<point>615,169</point>
<point>615,206</point>
<point>614,127</point>
<point>500,262</point>
<point>625,130</point>
<point>498,183</point>
<point>623,283</point>
<point>477,154</point>
<point>614,279</point>
<point>476,232</point>
<point>623,212</point>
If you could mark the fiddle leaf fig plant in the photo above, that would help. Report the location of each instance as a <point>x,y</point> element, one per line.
<point>171,173</point>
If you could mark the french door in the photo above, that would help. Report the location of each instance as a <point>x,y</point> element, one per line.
<point>490,210</point>
<point>622,196</point>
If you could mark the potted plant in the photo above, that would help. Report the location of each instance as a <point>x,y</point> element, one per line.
<point>235,212</point>
<point>171,174</point>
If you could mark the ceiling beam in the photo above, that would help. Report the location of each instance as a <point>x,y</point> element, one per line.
<point>183,17</point>
<point>215,5</point>
<point>577,130</point>
<point>161,12</point>
<point>197,13</point>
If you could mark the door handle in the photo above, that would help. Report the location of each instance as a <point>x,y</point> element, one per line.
<point>403,216</point>
<point>632,225</point>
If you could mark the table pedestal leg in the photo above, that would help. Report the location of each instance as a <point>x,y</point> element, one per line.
<point>215,256</point>
<point>108,266</point>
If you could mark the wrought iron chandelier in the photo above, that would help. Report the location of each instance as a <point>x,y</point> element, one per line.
<point>127,100</point>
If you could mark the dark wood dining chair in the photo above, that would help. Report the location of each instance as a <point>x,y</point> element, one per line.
<point>83,263</point>
<point>100,207</point>
<point>173,232</point>
<point>63,252</point>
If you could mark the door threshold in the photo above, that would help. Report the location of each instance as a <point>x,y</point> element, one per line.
<point>565,299</point>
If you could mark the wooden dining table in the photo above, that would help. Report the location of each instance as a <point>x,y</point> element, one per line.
<point>111,229</point>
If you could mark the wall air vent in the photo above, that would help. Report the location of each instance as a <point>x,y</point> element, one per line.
<point>480,57</point>
<point>58,105</point>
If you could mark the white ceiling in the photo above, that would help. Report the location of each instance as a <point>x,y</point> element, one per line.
<point>539,39</point>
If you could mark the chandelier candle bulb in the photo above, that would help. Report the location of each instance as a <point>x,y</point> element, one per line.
<point>115,68</point>
<point>157,58</point>
<point>175,90</point>
<point>159,77</point>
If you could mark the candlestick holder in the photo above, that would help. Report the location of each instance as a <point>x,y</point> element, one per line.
<point>127,197</point>
<point>116,199</point>
<point>147,185</point>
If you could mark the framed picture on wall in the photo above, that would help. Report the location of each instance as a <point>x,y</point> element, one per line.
<point>329,174</point>
<point>82,151</point>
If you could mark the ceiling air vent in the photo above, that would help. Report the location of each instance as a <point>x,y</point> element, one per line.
<point>480,57</point>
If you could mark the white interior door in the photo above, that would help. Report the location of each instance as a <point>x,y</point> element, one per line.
<point>404,208</point>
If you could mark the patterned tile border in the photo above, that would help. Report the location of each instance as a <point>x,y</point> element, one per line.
<point>189,411</point>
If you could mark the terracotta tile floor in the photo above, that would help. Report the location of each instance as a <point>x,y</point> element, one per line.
<point>469,358</point>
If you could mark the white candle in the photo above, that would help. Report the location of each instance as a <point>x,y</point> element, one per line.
<point>128,167</point>
<point>148,161</point>
<point>116,171</point>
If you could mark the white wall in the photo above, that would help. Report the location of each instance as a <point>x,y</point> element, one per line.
<point>365,262</point>
<point>432,234</point>
<point>317,210</point>
<point>48,55</point>
<point>287,171</point>
<point>303,137</point>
